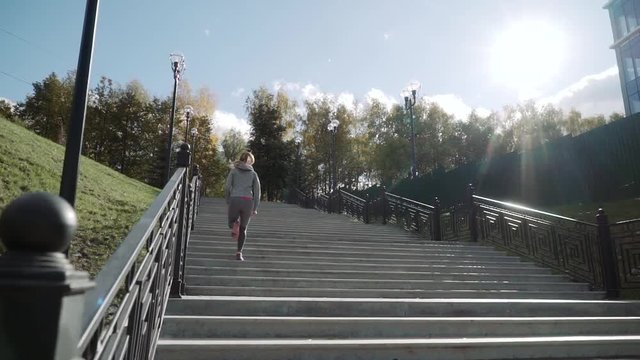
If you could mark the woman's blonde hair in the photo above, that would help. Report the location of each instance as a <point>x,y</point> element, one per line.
<point>247,155</point>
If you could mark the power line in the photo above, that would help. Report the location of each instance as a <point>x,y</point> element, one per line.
<point>14,77</point>
<point>25,40</point>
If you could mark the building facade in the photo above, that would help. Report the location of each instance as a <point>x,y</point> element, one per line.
<point>625,21</point>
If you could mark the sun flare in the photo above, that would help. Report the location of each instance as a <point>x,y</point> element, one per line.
<point>527,55</point>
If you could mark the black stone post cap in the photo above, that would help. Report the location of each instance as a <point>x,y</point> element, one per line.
<point>38,222</point>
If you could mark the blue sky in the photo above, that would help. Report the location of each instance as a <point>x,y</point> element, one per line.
<point>463,52</point>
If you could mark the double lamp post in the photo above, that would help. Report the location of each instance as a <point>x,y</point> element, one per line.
<point>409,95</point>
<point>177,66</point>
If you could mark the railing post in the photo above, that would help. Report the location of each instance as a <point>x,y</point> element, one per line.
<point>41,294</point>
<point>367,206</point>
<point>177,286</point>
<point>607,252</point>
<point>384,205</point>
<point>473,221</point>
<point>437,234</point>
<point>196,191</point>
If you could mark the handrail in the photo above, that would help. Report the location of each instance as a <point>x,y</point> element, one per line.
<point>98,300</point>
<point>356,198</point>
<point>530,210</point>
<point>410,201</point>
<point>121,316</point>
<point>353,205</point>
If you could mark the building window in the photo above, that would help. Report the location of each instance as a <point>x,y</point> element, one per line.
<point>634,103</point>
<point>630,15</point>
<point>620,21</point>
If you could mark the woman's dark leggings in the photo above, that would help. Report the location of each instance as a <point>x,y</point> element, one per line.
<point>241,237</point>
<point>240,209</point>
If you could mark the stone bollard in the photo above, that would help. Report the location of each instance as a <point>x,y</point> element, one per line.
<point>41,294</point>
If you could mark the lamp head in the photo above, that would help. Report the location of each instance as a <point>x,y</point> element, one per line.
<point>188,111</point>
<point>414,87</point>
<point>333,125</point>
<point>177,63</point>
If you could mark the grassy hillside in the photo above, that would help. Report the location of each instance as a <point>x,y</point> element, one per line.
<point>107,203</point>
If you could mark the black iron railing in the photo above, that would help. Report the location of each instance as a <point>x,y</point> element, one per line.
<point>413,215</point>
<point>625,236</point>
<point>561,243</point>
<point>123,312</point>
<point>353,205</point>
<point>323,202</point>
<point>607,256</point>
<point>298,197</point>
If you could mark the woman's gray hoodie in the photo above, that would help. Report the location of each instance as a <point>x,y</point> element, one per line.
<point>243,182</point>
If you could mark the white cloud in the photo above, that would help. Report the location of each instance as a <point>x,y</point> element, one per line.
<point>311,92</point>
<point>386,36</point>
<point>238,92</point>
<point>451,103</point>
<point>225,121</point>
<point>591,95</point>
<point>289,87</point>
<point>454,105</point>
<point>377,94</point>
<point>347,99</point>
<point>207,32</point>
<point>11,102</point>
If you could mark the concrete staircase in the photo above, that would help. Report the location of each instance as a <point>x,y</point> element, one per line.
<point>323,286</point>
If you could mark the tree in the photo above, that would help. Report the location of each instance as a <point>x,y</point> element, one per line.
<point>100,113</point>
<point>6,109</point>
<point>47,110</point>
<point>233,144</point>
<point>267,142</point>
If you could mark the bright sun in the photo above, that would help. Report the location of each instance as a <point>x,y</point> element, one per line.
<point>527,55</point>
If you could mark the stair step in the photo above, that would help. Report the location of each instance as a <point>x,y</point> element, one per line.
<point>561,347</point>
<point>347,245</point>
<point>387,293</point>
<point>441,266</point>
<point>253,254</point>
<point>378,284</point>
<point>470,273</point>
<point>202,327</point>
<point>377,307</point>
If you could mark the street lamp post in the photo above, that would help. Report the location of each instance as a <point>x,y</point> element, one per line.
<point>194,133</point>
<point>298,141</point>
<point>73,148</point>
<point>333,129</point>
<point>177,66</point>
<point>409,95</point>
<point>321,168</point>
<point>188,112</point>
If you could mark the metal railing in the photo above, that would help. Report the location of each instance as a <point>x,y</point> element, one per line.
<point>601,254</point>
<point>353,205</point>
<point>561,243</point>
<point>123,312</point>
<point>413,215</point>
<point>625,236</point>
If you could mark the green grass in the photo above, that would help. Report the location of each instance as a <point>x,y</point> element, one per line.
<point>616,210</point>
<point>108,203</point>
